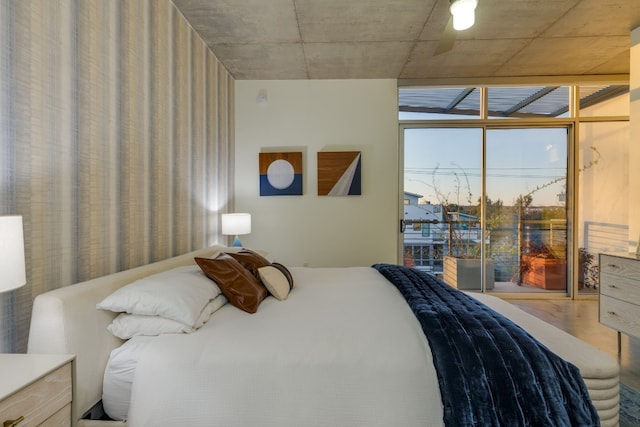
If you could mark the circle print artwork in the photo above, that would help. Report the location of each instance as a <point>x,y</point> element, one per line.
<point>280,174</point>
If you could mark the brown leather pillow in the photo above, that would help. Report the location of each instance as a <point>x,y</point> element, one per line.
<point>250,260</point>
<point>236,282</point>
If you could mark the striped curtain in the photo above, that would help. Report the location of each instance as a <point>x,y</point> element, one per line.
<point>116,141</point>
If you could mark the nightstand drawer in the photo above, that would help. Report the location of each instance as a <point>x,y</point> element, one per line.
<point>619,315</point>
<point>62,418</point>
<point>47,401</point>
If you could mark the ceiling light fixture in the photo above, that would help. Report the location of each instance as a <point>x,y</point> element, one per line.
<point>463,12</point>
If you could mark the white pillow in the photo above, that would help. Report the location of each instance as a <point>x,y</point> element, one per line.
<point>208,310</point>
<point>275,281</point>
<point>127,325</point>
<point>179,294</point>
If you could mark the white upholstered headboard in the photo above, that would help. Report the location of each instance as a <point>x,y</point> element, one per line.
<point>66,321</point>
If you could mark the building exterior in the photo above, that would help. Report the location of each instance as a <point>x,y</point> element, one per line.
<point>430,233</point>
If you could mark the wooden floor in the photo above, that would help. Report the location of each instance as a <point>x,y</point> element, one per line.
<point>580,319</point>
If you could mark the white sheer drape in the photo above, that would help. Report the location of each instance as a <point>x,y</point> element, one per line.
<point>115,141</point>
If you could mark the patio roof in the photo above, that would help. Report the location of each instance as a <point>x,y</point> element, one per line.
<point>523,101</point>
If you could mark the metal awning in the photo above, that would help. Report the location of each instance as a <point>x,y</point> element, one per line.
<point>523,101</point>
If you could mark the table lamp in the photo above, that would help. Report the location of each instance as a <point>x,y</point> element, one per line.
<point>12,266</point>
<point>235,224</point>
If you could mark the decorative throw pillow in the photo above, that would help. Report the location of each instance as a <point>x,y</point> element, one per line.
<point>178,294</point>
<point>286,272</point>
<point>240,287</point>
<point>250,260</point>
<point>275,281</point>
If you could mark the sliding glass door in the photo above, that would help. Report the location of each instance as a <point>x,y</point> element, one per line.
<point>514,239</point>
<point>525,208</point>
<point>442,188</point>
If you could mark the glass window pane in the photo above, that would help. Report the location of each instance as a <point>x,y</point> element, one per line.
<point>442,181</point>
<point>526,216</point>
<point>438,104</point>
<point>527,101</point>
<point>604,100</point>
<point>511,102</point>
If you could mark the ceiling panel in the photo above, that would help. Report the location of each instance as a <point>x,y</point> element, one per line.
<point>361,20</point>
<point>239,22</point>
<point>564,56</point>
<point>284,61</point>
<point>355,60</point>
<point>618,64</point>
<point>469,58</point>
<point>588,17</point>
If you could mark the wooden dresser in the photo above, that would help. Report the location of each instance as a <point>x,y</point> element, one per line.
<point>620,293</point>
<point>36,389</point>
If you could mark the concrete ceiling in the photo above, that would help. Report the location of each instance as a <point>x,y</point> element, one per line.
<point>344,39</point>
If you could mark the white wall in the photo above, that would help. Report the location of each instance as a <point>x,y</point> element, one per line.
<point>312,116</point>
<point>634,146</point>
<point>604,170</point>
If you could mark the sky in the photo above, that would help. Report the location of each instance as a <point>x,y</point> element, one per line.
<point>446,164</point>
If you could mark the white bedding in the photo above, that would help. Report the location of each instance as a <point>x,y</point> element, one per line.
<point>119,374</point>
<point>343,349</point>
<point>65,321</point>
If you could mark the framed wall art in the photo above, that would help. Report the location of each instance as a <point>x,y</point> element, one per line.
<point>280,174</point>
<point>339,173</point>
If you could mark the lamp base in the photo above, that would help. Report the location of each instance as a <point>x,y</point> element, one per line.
<point>237,242</point>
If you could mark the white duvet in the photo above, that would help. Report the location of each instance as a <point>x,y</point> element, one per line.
<point>343,350</point>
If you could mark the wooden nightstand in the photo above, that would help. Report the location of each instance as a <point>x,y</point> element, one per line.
<point>37,387</point>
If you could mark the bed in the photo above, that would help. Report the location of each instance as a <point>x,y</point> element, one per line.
<point>344,348</point>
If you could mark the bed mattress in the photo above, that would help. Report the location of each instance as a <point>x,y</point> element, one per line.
<point>343,349</point>
<point>310,360</point>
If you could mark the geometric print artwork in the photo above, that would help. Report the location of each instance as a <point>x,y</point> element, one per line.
<point>281,174</point>
<point>339,173</point>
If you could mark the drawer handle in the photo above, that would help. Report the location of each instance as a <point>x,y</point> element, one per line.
<point>13,423</point>
<point>612,286</point>
<point>613,313</point>
<point>612,265</point>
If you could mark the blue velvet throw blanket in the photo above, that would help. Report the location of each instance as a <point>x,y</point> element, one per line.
<point>491,372</point>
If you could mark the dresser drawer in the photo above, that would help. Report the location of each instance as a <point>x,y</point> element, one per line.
<point>47,401</point>
<point>619,315</point>
<point>629,268</point>
<point>620,287</point>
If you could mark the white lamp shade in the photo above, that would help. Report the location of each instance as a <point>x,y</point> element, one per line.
<point>463,12</point>
<point>12,268</point>
<point>236,223</point>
